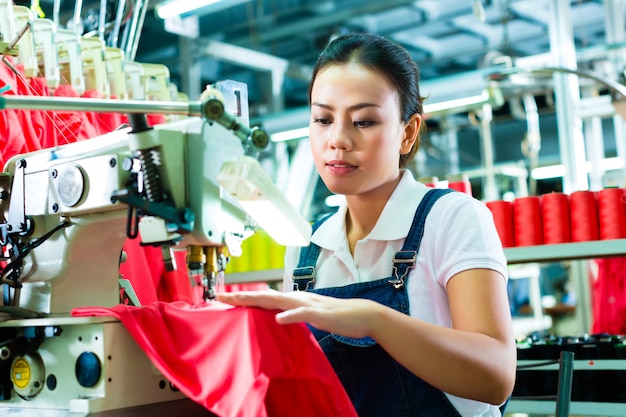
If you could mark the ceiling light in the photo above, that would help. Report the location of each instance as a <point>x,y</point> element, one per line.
<point>299,133</point>
<point>558,171</point>
<point>181,7</point>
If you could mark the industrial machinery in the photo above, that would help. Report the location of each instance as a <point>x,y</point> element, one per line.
<point>183,185</point>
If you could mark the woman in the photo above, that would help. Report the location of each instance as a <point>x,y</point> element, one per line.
<point>404,287</point>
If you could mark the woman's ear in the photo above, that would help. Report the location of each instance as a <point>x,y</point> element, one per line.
<point>411,133</point>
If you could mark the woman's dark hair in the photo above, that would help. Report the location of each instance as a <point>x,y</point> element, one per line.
<point>386,57</point>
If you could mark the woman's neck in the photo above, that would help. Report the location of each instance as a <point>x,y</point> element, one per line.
<point>364,210</point>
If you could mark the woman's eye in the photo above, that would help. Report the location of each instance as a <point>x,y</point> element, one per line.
<point>323,122</point>
<point>363,123</point>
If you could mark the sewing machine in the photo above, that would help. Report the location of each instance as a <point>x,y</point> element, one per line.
<point>68,212</point>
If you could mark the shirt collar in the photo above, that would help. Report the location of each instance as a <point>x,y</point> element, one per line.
<point>333,230</point>
<point>395,220</point>
<point>393,223</point>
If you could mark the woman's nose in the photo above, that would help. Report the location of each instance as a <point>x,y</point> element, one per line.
<point>340,138</point>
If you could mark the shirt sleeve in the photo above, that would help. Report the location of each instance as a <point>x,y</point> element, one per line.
<point>465,238</point>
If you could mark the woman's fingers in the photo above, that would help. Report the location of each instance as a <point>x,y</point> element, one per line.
<point>341,316</point>
<point>271,300</point>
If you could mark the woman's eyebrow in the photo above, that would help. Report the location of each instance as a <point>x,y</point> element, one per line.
<point>353,107</point>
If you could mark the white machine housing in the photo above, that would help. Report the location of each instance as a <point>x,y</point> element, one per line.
<point>67,210</point>
<point>79,264</point>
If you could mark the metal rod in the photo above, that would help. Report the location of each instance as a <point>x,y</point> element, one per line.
<point>253,139</point>
<point>56,8</point>
<point>135,26</point>
<point>19,35</point>
<point>615,86</point>
<point>115,33</point>
<point>138,31</point>
<point>102,105</point>
<point>564,394</point>
<point>76,20</point>
<point>102,19</point>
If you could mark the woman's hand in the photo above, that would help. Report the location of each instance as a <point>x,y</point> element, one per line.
<point>347,317</point>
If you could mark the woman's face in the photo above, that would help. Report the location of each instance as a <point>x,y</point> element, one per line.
<point>355,130</point>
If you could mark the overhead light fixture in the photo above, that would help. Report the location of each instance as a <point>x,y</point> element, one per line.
<point>302,132</point>
<point>249,185</point>
<point>487,96</point>
<point>557,171</point>
<point>181,7</point>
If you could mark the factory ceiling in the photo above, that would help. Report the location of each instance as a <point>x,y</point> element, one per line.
<point>253,40</point>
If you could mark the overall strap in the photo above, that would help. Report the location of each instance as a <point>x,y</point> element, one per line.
<point>304,274</point>
<point>404,259</point>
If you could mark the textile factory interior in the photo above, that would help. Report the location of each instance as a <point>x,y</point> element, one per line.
<point>525,109</point>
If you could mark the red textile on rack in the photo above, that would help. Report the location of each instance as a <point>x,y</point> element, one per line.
<point>72,126</point>
<point>11,136</point>
<point>48,137</point>
<point>235,361</point>
<point>608,294</point>
<point>112,120</point>
<point>97,121</point>
<point>16,130</point>
<point>155,119</point>
<point>37,118</point>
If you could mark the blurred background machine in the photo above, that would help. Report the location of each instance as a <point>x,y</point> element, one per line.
<point>191,185</point>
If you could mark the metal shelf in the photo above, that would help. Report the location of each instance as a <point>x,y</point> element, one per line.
<point>576,408</point>
<point>565,251</point>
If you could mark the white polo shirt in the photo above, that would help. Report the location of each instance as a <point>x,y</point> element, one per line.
<point>459,234</point>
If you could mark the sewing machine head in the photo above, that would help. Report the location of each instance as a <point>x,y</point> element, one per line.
<point>68,210</point>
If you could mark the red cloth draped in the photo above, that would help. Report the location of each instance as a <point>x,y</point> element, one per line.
<point>18,129</point>
<point>609,296</point>
<point>96,119</point>
<point>236,362</point>
<point>151,282</point>
<point>73,126</point>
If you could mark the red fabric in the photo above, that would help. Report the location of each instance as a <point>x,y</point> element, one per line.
<point>155,119</point>
<point>112,120</point>
<point>72,126</point>
<point>95,119</point>
<point>609,296</point>
<point>10,136</point>
<point>35,87</point>
<point>16,129</point>
<point>151,119</point>
<point>145,270</point>
<point>236,362</point>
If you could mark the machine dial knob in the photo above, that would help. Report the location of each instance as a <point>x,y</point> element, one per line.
<point>28,374</point>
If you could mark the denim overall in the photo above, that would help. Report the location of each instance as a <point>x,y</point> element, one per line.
<point>378,385</point>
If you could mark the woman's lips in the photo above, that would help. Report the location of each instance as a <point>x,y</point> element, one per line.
<point>340,167</point>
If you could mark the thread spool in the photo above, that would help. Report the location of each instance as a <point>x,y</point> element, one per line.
<point>277,255</point>
<point>584,216</point>
<point>556,218</point>
<point>611,213</point>
<point>258,251</point>
<point>502,212</point>
<point>527,221</point>
<point>460,182</point>
<point>429,181</point>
